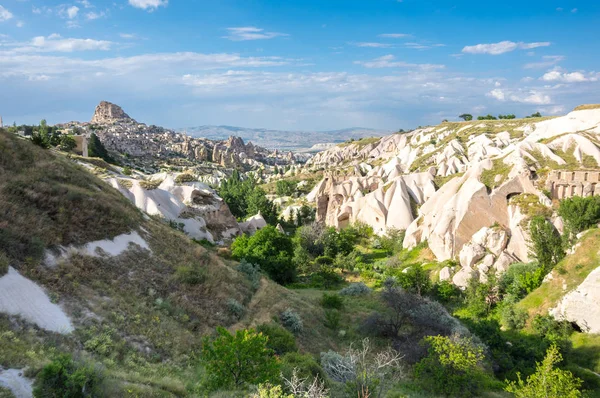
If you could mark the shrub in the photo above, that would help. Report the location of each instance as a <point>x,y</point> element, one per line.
<point>251,271</point>
<point>291,321</point>
<point>453,367</point>
<point>580,213</point>
<point>415,280</point>
<point>446,291</point>
<point>356,289</point>
<point>185,177</point>
<point>271,249</point>
<point>324,260</point>
<point>127,171</point>
<point>150,184</point>
<point>235,309</point>
<point>3,264</point>
<point>233,360</point>
<point>513,317</point>
<point>332,301</point>
<point>547,381</point>
<point>65,378</point>
<point>332,319</point>
<point>280,340</point>
<point>392,241</point>
<point>305,365</point>
<point>190,274</point>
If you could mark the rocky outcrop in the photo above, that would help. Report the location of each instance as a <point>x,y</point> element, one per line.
<point>581,306</point>
<point>109,113</point>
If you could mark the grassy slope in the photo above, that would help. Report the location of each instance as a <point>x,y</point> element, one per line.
<point>133,316</point>
<point>571,271</point>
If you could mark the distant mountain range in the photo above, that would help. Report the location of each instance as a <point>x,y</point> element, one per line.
<point>299,141</point>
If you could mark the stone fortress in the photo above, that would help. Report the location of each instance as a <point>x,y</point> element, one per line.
<point>564,184</point>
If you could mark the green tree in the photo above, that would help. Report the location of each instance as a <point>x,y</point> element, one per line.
<point>579,214</point>
<point>269,248</point>
<point>65,378</point>
<point>286,187</point>
<point>415,280</point>
<point>547,381</point>
<point>67,143</point>
<point>452,367</point>
<point>280,340</point>
<point>97,150</point>
<point>246,199</point>
<point>466,117</point>
<point>232,360</point>
<point>546,244</point>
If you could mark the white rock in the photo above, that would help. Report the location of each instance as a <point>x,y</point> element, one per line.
<point>445,274</point>
<point>19,385</point>
<point>463,276</point>
<point>470,254</point>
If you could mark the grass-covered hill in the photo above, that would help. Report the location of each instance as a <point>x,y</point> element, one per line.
<point>140,316</point>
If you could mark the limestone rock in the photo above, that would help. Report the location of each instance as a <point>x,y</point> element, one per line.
<point>463,276</point>
<point>445,274</point>
<point>109,113</point>
<point>470,254</point>
<point>582,306</point>
<point>502,263</point>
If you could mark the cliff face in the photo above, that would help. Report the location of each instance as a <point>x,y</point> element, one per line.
<point>109,113</point>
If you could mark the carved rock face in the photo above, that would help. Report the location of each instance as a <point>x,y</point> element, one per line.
<point>108,113</point>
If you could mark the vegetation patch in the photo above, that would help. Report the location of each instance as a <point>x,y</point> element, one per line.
<point>530,205</point>
<point>587,107</point>
<point>499,168</point>
<point>150,184</point>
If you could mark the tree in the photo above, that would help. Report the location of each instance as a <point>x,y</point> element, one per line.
<point>286,187</point>
<point>415,280</point>
<point>579,214</point>
<point>234,360</point>
<point>67,143</point>
<point>547,381</point>
<point>269,248</point>
<point>545,245</point>
<point>452,367</point>
<point>246,199</point>
<point>97,150</point>
<point>466,117</point>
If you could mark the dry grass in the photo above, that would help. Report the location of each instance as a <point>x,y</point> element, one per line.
<point>48,200</point>
<point>587,107</point>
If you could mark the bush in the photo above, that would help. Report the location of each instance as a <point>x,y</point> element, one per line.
<point>356,289</point>
<point>234,360</point>
<point>415,280</point>
<point>332,319</point>
<point>271,249</point>
<point>251,271</point>
<point>579,213</point>
<point>392,241</point>
<point>446,291</point>
<point>324,260</point>
<point>306,366</point>
<point>127,171</point>
<point>150,184</point>
<point>235,309</point>
<point>286,187</point>
<point>190,274</point>
<point>513,317</point>
<point>291,321</point>
<point>65,378</point>
<point>453,367</point>
<point>332,301</point>
<point>185,177</point>
<point>280,340</point>
<point>547,381</point>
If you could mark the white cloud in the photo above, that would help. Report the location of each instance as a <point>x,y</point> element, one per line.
<point>547,61</point>
<point>574,10</point>
<point>36,10</point>
<point>85,3</point>
<point>250,33</point>
<point>56,43</point>
<point>502,47</point>
<point>532,97</point>
<point>394,35</point>
<point>389,61</point>
<point>5,15</point>
<point>560,76</point>
<point>129,36</point>
<point>72,12</point>
<point>92,15</point>
<point>373,45</point>
<point>20,24</point>
<point>423,46</point>
<point>553,110</point>
<point>148,4</point>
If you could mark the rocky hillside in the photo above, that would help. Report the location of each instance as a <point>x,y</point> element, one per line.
<point>467,189</point>
<point>84,272</point>
<point>151,146</point>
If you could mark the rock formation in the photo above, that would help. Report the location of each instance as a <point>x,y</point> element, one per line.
<point>109,113</point>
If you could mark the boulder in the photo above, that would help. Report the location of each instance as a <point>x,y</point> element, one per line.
<point>445,274</point>
<point>582,306</point>
<point>470,254</point>
<point>502,263</point>
<point>463,276</point>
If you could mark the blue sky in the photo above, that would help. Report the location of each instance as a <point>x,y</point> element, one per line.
<point>296,64</point>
